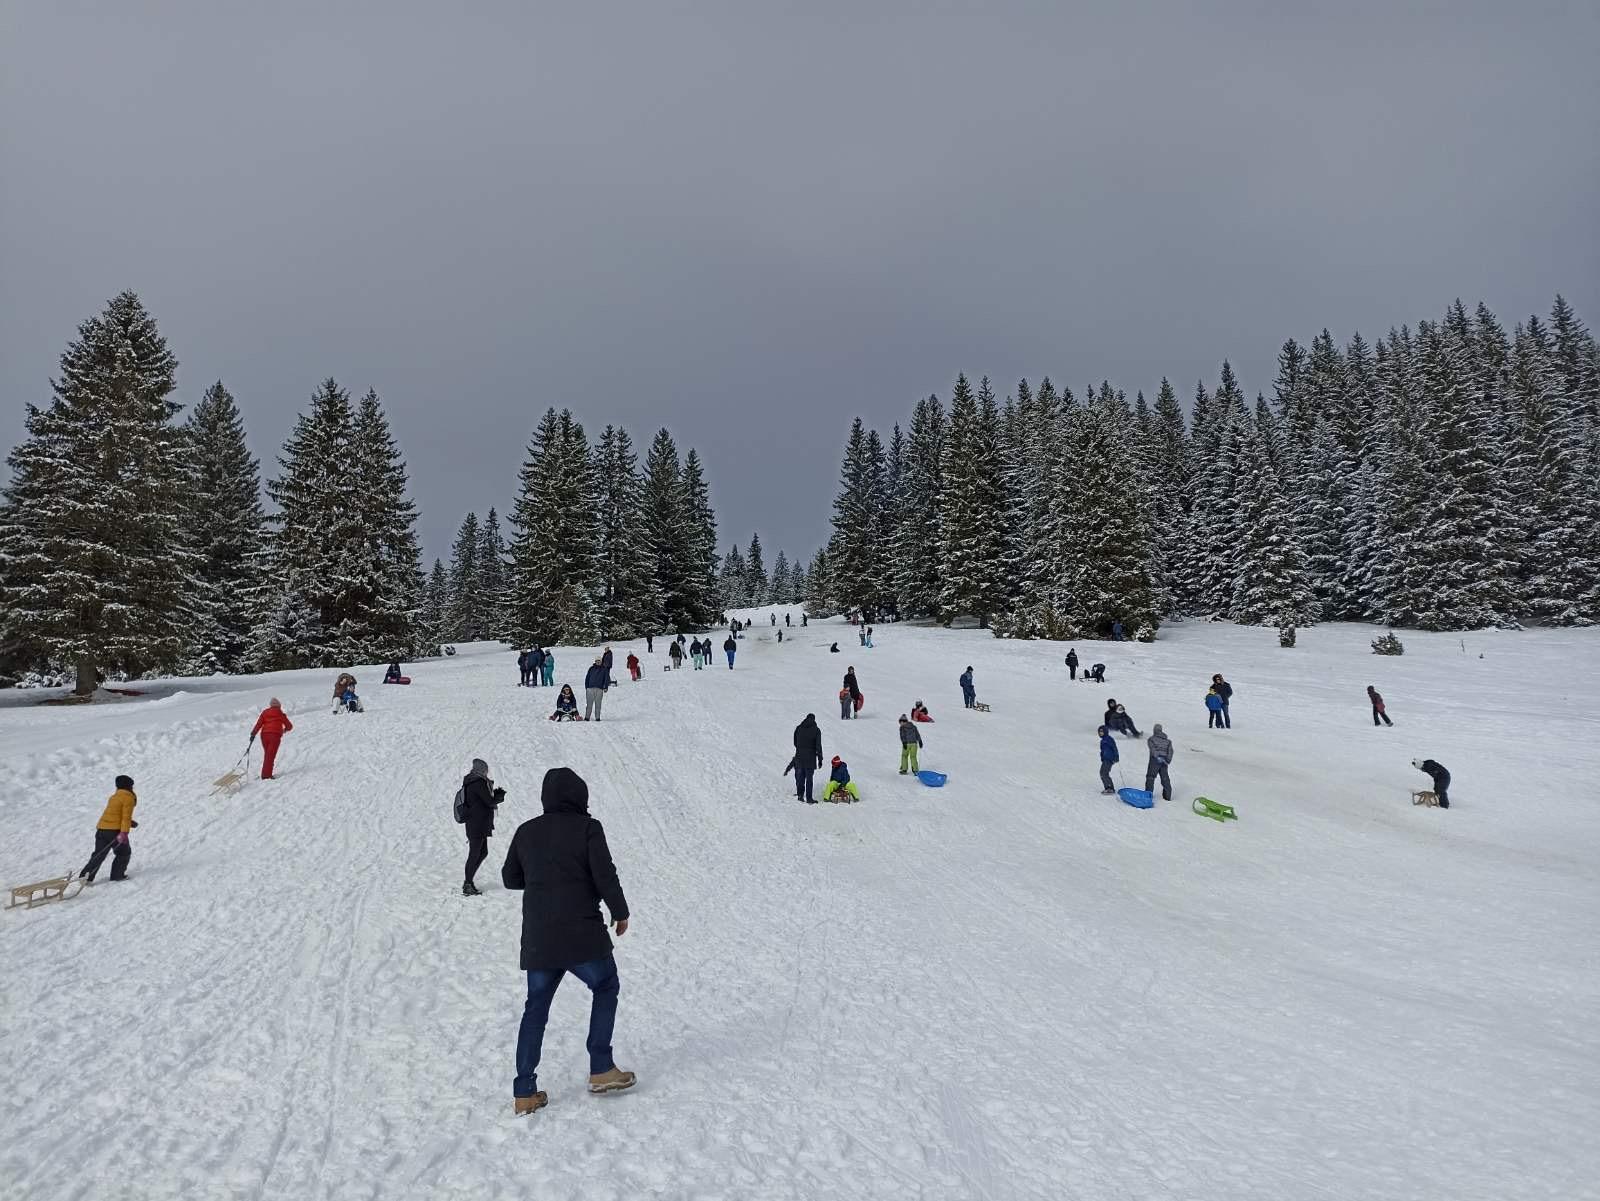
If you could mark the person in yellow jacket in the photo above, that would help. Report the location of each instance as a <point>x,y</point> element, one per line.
<point>111,833</point>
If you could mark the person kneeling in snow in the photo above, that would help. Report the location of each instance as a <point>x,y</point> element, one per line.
<point>566,705</point>
<point>1440,777</point>
<point>111,833</point>
<point>839,781</point>
<point>394,675</point>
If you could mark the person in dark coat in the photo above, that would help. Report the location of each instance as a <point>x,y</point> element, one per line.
<point>536,666</point>
<point>807,757</point>
<point>1378,709</point>
<point>852,688</point>
<point>1072,662</point>
<point>561,864</point>
<point>675,653</point>
<point>1097,673</point>
<point>1116,630</point>
<point>1440,776</point>
<point>566,705</point>
<point>649,644</point>
<point>731,647</point>
<point>522,669</point>
<point>594,691</point>
<point>480,798</point>
<point>1108,755</point>
<point>1225,691</point>
<point>969,693</point>
<point>605,662</point>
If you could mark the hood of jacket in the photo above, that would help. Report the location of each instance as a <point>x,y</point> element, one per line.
<point>480,770</point>
<point>564,792</point>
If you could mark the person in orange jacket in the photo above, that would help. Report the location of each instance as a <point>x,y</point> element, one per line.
<point>272,725</point>
<point>111,833</point>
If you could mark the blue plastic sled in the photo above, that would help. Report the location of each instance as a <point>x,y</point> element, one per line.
<point>933,779</point>
<point>1137,797</point>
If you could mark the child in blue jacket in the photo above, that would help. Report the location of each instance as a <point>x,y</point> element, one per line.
<point>1213,710</point>
<point>839,781</point>
<point>1108,755</point>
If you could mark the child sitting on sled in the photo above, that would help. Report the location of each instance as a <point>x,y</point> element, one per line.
<point>919,712</point>
<point>839,781</point>
<point>566,705</point>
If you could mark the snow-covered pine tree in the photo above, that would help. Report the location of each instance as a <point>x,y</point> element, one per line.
<point>435,609</point>
<point>853,550</point>
<point>1398,590</point>
<point>1271,583</point>
<point>1019,478</point>
<point>555,550</point>
<point>755,572</point>
<point>819,599</point>
<point>733,592</point>
<point>701,581</point>
<point>386,627</point>
<point>96,570</point>
<point>889,515</point>
<point>465,618</point>
<point>1167,463</point>
<point>973,508</point>
<point>799,585</point>
<point>227,529</point>
<point>318,558</point>
<point>916,570</point>
<point>778,586</point>
<point>1213,518</point>
<point>628,573</point>
<point>666,527</point>
<point>493,576</point>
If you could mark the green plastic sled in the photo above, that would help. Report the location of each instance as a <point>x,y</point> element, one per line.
<point>1206,807</point>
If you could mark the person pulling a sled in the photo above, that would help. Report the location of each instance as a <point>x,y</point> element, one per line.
<point>566,705</point>
<point>479,798</point>
<point>969,693</point>
<point>111,833</point>
<point>561,864</point>
<point>839,781</point>
<point>1440,775</point>
<point>910,743</point>
<point>272,725</point>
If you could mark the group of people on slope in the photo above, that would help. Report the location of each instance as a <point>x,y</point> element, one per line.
<point>562,865</point>
<point>536,668</point>
<point>1160,747</point>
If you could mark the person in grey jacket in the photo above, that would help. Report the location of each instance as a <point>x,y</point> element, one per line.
<point>1160,757</point>
<point>910,743</point>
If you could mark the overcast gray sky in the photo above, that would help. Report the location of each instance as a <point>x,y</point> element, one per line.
<point>750,221</point>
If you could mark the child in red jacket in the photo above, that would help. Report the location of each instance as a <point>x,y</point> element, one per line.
<point>633,665</point>
<point>272,725</point>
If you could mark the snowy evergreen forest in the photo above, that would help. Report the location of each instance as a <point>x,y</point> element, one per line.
<point>132,543</point>
<point>1446,477</point>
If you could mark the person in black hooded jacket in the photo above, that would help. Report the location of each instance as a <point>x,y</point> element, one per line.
<point>562,865</point>
<point>807,757</point>
<point>480,797</point>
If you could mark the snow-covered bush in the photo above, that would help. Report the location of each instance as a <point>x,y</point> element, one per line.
<point>1388,645</point>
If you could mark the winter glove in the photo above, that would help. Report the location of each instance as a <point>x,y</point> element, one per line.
<point>499,795</point>
<point>122,838</point>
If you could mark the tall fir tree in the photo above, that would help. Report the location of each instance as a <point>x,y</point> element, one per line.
<point>915,568</point>
<point>96,565</point>
<point>755,573</point>
<point>671,541</point>
<point>555,551</point>
<point>435,609</point>
<point>973,507</point>
<point>733,589</point>
<point>778,587</point>
<point>493,583</point>
<point>227,528</point>
<point>390,592</point>
<point>701,594</point>
<point>465,617</point>
<point>628,600</point>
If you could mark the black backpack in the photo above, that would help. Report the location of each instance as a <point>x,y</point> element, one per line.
<point>459,808</point>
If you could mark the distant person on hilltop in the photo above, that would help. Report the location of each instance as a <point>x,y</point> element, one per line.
<point>1072,662</point>
<point>561,864</point>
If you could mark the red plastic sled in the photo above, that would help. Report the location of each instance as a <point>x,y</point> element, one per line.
<point>401,680</point>
<point>861,700</point>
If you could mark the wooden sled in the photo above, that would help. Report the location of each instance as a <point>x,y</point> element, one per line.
<point>980,706</point>
<point>1425,798</point>
<point>44,892</point>
<point>228,783</point>
<point>1215,810</point>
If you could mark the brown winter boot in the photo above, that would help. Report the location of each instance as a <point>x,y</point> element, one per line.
<point>527,1105</point>
<point>613,1081</point>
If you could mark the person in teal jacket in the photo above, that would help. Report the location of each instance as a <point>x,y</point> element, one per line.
<point>549,667</point>
<point>1108,755</point>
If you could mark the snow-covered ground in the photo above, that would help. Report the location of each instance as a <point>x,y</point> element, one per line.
<point>1010,987</point>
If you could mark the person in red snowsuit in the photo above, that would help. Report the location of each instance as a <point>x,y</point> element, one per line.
<point>272,725</point>
<point>633,665</point>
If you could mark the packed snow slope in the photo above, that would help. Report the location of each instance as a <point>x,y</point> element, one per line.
<point>1009,987</point>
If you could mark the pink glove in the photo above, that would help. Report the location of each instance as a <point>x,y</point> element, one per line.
<point>122,838</point>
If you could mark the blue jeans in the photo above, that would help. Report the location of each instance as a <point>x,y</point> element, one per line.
<point>730,660</point>
<point>601,977</point>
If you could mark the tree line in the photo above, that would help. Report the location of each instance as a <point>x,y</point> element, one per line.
<point>133,543</point>
<point>1445,477</point>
